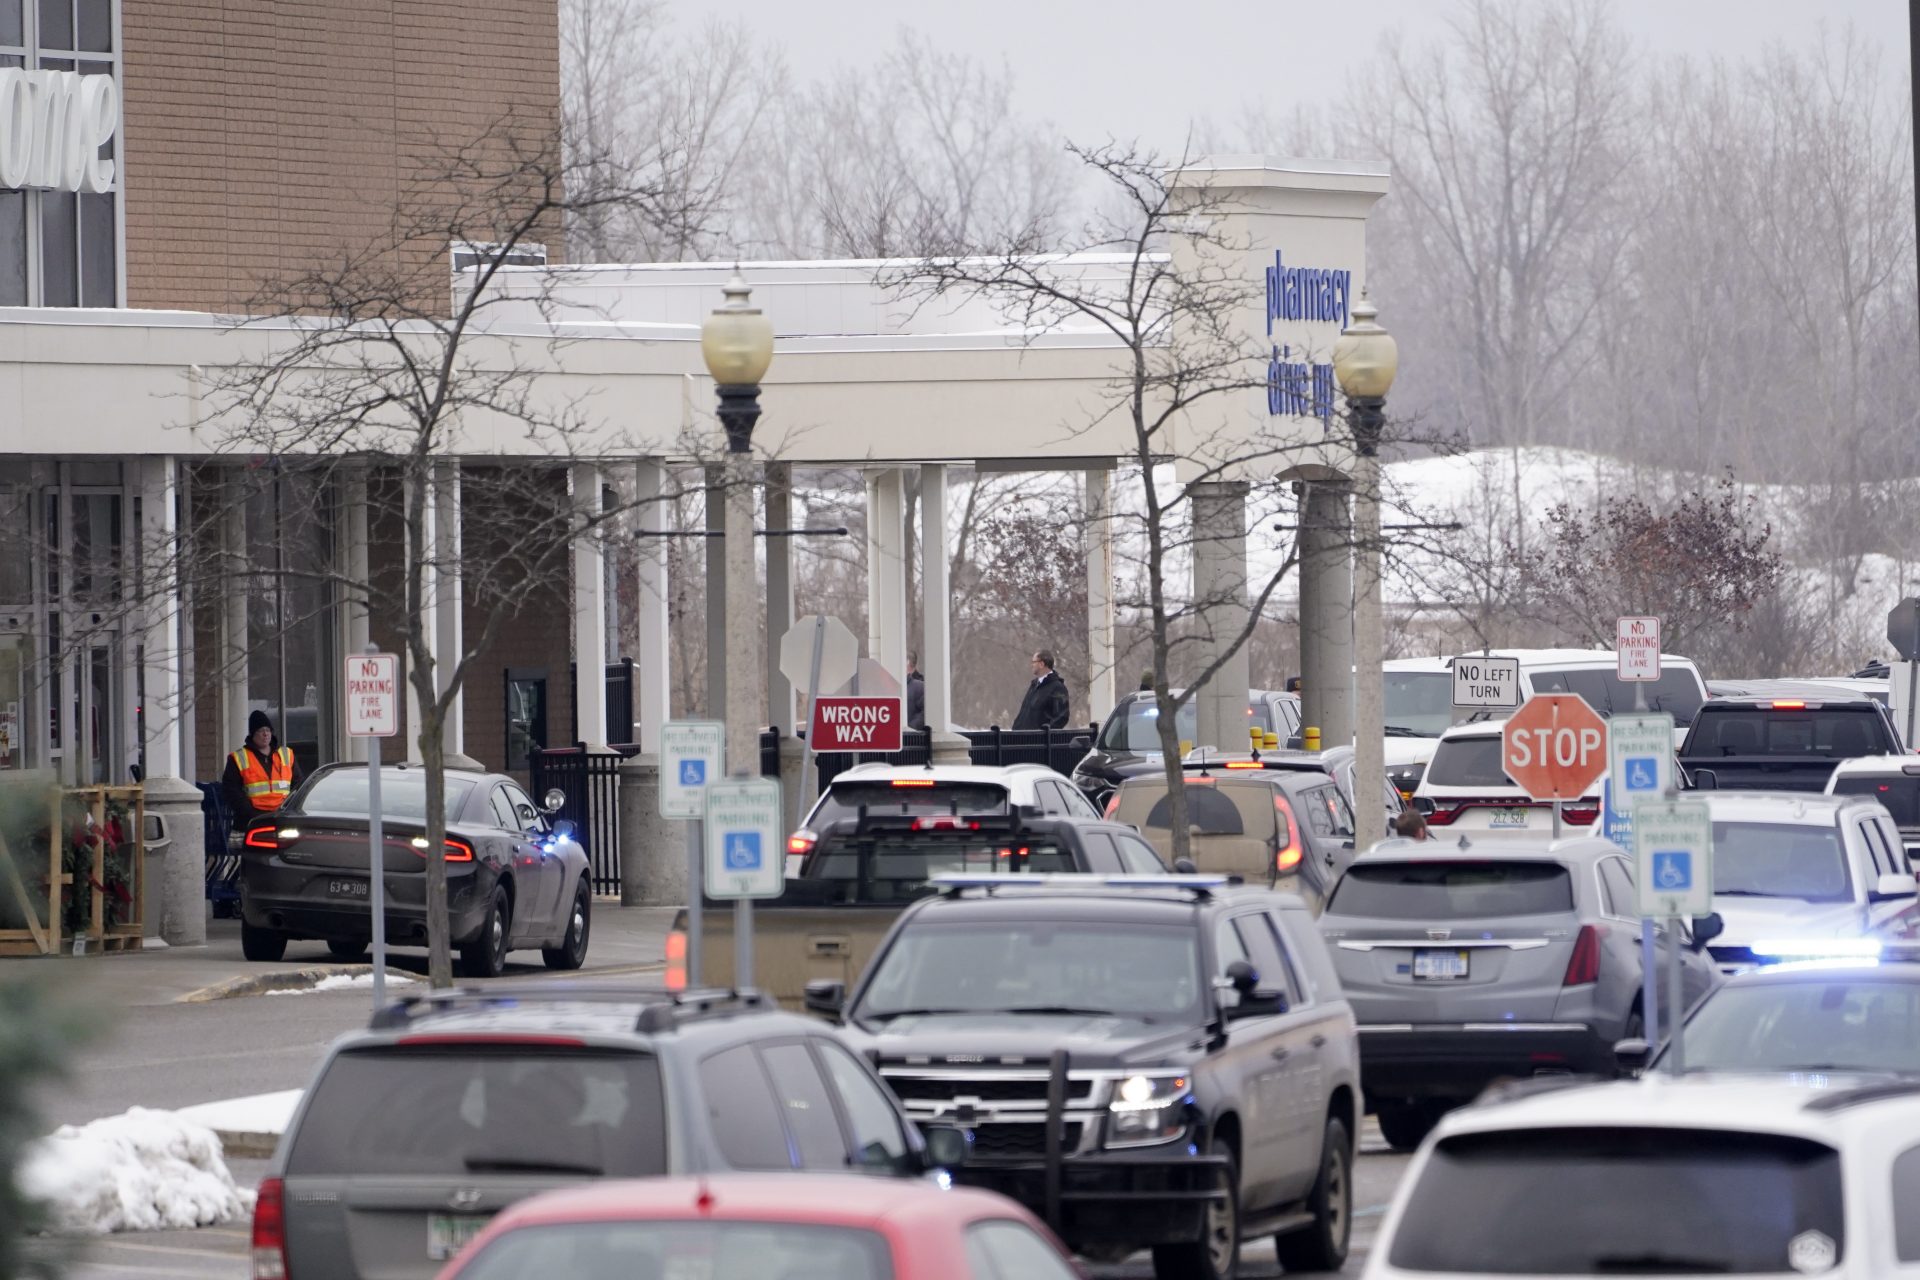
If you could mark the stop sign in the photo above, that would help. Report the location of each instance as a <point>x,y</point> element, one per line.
<point>1555,747</point>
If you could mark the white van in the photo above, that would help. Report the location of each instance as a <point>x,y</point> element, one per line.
<point>1594,675</point>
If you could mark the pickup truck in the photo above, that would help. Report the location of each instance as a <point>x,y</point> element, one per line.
<point>862,872</point>
<point>1782,744</point>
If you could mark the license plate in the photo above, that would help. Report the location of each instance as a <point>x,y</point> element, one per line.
<point>1444,966</point>
<point>448,1233</point>
<point>1510,817</point>
<point>348,888</point>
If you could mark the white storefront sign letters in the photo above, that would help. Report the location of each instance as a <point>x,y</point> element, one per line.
<point>52,126</point>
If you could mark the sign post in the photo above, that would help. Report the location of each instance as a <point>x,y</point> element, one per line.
<point>1485,682</point>
<point>372,688</point>
<point>690,756</point>
<point>1903,633</point>
<point>1673,847</point>
<point>1639,768</point>
<point>745,859</point>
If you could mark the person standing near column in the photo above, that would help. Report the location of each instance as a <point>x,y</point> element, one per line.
<point>1047,704</point>
<point>916,693</point>
<point>260,775</point>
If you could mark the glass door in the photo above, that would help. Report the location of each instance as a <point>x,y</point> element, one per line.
<point>17,685</point>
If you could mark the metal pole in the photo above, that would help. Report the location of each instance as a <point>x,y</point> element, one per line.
<point>377,871</point>
<point>1913,689</point>
<point>1676,1006</point>
<point>742,943</point>
<point>1556,819</point>
<point>813,677</point>
<point>1649,982</point>
<point>696,900</point>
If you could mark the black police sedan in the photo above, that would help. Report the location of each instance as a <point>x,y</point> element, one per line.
<point>515,879</point>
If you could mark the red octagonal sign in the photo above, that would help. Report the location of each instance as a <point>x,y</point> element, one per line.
<point>1555,747</point>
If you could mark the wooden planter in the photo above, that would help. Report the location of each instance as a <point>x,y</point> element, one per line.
<point>47,937</point>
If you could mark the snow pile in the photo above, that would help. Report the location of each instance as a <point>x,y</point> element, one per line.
<point>260,1113</point>
<point>142,1171</point>
<point>343,982</point>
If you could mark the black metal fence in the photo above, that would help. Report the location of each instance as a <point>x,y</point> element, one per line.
<point>590,780</point>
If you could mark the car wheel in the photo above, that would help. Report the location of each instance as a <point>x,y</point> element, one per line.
<point>572,951</point>
<point>1406,1124</point>
<point>1216,1254</point>
<point>1323,1246</point>
<point>262,944</point>
<point>348,948</point>
<point>486,955</point>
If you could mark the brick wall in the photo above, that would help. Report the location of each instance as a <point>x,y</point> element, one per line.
<point>264,135</point>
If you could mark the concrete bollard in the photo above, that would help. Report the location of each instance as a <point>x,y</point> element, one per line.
<point>653,849</point>
<point>1310,738</point>
<point>177,898</point>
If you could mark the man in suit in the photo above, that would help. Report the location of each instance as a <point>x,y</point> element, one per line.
<point>1046,704</point>
<point>916,693</point>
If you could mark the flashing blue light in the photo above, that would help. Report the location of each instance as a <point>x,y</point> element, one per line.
<point>1817,948</point>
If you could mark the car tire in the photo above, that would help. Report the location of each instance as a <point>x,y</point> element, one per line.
<point>1323,1246</point>
<point>348,949</point>
<point>572,951</point>
<point>486,955</point>
<point>262,944</point>
<point>1405,1125</point>
<point>1216,1254</point>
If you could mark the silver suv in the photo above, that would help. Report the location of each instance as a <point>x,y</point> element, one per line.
<point>1506,958</point>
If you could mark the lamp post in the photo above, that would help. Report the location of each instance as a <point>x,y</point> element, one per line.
<point>736,341</point>
<point>1365,359</point>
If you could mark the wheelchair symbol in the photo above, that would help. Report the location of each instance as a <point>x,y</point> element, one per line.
<point>1641,774</point>
<point>693,773</point>
<point>1672,870</point>
<point>743,851</point>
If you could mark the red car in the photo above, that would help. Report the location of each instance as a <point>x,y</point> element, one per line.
<point>764,1227</point>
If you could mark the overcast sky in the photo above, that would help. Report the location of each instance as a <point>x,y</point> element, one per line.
<point>1131,69</point>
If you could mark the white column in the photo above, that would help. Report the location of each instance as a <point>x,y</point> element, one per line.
<point>936,623</point>
<point>1101,682</point>
<point>429,621</point>
<point>164,708</point>
<point>589,612</point>
<point>1369,711</point>
<point>1326,616</point>
<point>652,699</point>
<point>887,570</point>
<point>356,625</point>
<point>1220,581</point>
<point>449,631</point>
<point>779,480</point>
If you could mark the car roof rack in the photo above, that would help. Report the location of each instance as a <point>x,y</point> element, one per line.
<point>659,1010</point>
<point>1861,1094</point>
<point>952,884</point>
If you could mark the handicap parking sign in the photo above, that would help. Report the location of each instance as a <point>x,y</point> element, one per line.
<point>743,850</point>
<point>1672,870</point>
<point>693,773</point>
<point>1643,773</point>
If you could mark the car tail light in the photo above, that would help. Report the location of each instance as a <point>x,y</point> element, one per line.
<point>263,838</point>
<point>1245,764</point>
<point>1113,804</point>
<point>457,850</point>
<point>1584,814</point>
<point>1287,859</point>
<point>1789,704</point>
<point>677,960</point>
<point>270,1231</point>
<point>1584,967</point>
<point>1443,813</point>
<point>1008,853</point>
<point>912,782</point>
<point>944,822</point>
<point>802,841</point>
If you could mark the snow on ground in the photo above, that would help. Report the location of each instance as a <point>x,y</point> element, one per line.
<point>141,1171</point>
<point>261,1113</point>
<point>344,982</point>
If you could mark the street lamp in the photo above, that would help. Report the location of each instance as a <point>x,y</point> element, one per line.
<point>736,341</point>
<point>1365,358</point>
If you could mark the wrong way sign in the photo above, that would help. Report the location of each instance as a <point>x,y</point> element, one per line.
<point>856,724</point>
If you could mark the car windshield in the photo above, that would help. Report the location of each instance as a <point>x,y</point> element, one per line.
<point>1780,860</point>
<point>342,793</point>
<point>898,869</point>
<point>1468,762</point>
<point>1138,730</point>
<point>1420,702</point>
<point>1452,890</point>
<point>1899,793</point>
<point>1834,732</point>
<point>1676,692</point>
<point>1150,972</point>
<point>459,1110</point>
<point>1833,1024</point>
<point>678,1250</point>
<point>918,797</point>
<point>1618,1201</point>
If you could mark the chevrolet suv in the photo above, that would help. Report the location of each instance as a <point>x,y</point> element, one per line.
<point>1144,1061</point>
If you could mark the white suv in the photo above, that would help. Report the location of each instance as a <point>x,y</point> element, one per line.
<point>1466,789</point>
<point>1665,1177</point>
<point>1798,876</point>
<point>1894,781</point>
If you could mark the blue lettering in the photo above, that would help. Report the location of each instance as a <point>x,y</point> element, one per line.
<point>1306,293</point>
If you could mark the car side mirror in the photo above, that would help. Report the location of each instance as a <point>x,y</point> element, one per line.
<point>1243,978</point>
<point>1708,927</point>
<point>554,801</point>
<point>1631,1055</point>
<point>946,1146</point>
<point>1705,780</point>
<point>1424,805</point>
<point>826,997</point>
<point>1895,886</point>
<point>1185,867</point>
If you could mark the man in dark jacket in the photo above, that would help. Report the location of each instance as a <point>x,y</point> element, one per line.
<point>916,693</point>
<point>1046,704</point>
<point>260,775</point>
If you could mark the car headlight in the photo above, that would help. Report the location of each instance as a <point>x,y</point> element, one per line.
<point>1147,1109</point>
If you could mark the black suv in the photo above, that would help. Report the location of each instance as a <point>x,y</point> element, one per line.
<point>1159,1062</point>
<point>1783,744</point>
<point>453,1106</point>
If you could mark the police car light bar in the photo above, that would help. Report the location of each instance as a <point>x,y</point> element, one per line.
<point>1818,948</point>
<point>1075,880</point>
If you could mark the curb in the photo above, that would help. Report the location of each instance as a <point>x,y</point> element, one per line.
<point>248,1146</point>
<point>254,984</point>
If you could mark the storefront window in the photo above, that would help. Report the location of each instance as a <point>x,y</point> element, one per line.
<point>60,247</point>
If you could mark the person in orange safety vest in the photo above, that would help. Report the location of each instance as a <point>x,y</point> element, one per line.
<point>260,775</point>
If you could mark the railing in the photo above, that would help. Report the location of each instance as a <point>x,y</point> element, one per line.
<point>590,781</point>
<point>1058,749</point>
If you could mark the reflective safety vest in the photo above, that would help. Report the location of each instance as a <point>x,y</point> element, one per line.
<point>267,785</point>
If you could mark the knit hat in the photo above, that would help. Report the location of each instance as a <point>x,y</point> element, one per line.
<point>258,721</point>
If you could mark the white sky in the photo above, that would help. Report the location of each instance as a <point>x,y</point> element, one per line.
<point>1136,70</point>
